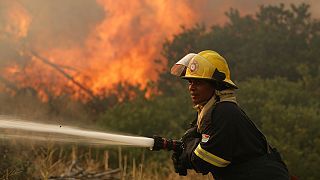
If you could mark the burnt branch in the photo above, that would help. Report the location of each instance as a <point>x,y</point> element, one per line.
<point>60,70</point>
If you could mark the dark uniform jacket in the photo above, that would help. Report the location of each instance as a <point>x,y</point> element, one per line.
<point>228,145</point>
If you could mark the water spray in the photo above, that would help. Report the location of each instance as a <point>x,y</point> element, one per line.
<point>16,128</point>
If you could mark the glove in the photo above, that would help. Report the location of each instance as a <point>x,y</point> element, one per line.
<point>182,159</point>
<point>178,165</point>
<point>158,143</point>
<point>190,141</point>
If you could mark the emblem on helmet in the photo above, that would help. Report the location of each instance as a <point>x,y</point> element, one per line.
<point>193,66</point>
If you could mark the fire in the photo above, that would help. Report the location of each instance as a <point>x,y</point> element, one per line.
<point>86,48</point>
<point>119,49</point>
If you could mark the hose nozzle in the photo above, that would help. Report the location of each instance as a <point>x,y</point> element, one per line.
<point>166,144</point>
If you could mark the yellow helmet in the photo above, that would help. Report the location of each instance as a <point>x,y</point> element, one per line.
<point>207,64</point>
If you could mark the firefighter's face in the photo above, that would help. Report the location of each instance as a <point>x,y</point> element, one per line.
<point>200,90</point>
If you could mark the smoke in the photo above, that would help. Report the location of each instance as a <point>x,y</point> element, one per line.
<point>61,23</point>
<point>214,11</point>
<point>13,24</point>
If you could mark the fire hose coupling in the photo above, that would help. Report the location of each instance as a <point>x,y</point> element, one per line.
<point>166,144</point>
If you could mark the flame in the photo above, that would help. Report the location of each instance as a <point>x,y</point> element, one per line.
<point>125,51</point>
<point>120,49</point>
<point>12,69</point>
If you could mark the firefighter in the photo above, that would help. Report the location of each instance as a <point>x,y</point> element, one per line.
<point>222,140</point>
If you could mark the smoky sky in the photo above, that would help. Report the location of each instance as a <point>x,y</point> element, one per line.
<point>67,23</point>
<point>214,11</point>
<point>57,23</point>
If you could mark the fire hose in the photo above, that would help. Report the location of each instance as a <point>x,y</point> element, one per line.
<point>16,128</point>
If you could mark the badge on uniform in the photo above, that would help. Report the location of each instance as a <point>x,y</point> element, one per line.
<point>205,138</point>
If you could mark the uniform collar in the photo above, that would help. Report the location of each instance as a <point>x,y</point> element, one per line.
<point>226,95</point>
<point>203,109</point>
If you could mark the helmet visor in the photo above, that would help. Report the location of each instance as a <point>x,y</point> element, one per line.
<point>179,68</point>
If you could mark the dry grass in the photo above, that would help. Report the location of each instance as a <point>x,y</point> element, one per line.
<point>50,160</point>
<point>152,171</point>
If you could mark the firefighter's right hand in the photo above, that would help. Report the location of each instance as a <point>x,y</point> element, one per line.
<point>178,165</point>
<point>166,144</point>
<point>158,143</point>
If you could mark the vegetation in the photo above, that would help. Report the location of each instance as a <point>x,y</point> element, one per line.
<point>274,58</point>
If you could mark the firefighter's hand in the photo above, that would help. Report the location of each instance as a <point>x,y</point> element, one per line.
<point>190,141</point>
<point>178,165</point>
<point>166,144</point>
<point>158,143</point>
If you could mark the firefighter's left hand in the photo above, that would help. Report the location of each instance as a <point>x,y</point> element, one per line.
<point>190,140</point>
<point>178,165</point>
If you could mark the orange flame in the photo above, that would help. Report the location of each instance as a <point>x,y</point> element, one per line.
<point>120,49</point>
